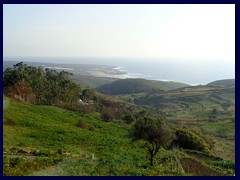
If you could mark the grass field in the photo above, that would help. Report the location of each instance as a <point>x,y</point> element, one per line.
<point>46,140</point>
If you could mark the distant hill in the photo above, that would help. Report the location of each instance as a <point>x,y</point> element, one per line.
<point>92,81</point>
<point>132,86</point>
<point>224,82</point>
<point>193,102</point>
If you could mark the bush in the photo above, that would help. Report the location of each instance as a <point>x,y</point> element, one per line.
<point>59,151</point>
<point>91,128</point>
<point>9,122</point>
<point>107,116</point>
<point>129,118</point>
<point>186,139</point>
<point>82,124</point>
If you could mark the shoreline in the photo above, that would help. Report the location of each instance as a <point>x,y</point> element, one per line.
<point>110,71</point>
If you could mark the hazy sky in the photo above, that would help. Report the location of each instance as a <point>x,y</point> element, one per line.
<point>205,32</point>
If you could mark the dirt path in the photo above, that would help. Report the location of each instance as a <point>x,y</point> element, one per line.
<point>194,167</point>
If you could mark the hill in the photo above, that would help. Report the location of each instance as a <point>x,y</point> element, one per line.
<point>52,126</point>
<point>224,82</point>
<point>199,102</point>
<point>92,81</point>
<point>207,109</point>
<point>132,86</point>
<point>46,140</point>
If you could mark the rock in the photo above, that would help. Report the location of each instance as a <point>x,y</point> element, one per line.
<point>92,157</point>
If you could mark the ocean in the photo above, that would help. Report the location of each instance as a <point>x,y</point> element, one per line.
<point>193,72</point>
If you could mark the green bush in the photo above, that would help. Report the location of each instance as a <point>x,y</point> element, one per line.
<point>59,151</point>
<point>186,139</point>
<point>129,118</point>
<point>91,128</point>
<point>224,164</point>
<point>107,115</point>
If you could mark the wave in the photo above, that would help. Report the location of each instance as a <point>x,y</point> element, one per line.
<point>70,69</point>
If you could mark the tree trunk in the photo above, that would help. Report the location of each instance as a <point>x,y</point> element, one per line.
<point>151,159</point>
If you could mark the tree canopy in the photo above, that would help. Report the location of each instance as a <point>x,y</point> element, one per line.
<point>39,85</point>
<point>155,132</point>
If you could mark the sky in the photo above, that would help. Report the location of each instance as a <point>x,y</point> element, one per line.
<point>205,32</point>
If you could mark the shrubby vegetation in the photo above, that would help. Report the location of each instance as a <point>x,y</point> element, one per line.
<point>51,87</point>
<point>188,140</point>
<point>133,86</point>
<point>40,86</point>
<point>38,136</point>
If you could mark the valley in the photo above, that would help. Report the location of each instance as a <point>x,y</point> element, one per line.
<point>60,136</point>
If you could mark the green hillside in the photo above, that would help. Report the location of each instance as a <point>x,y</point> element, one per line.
<point>53,126</point>
<point>92,81</point>
<point>132,86</point>
<point>207,109</point>
<point>224,82</point>
<point>46,140</point>
<point>64,146</point>
<point>203,102</point>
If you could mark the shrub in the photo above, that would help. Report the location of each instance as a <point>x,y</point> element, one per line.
<point>82,124</point>
<point>186,139</point>
<point>107,116</point>
<point>9,122</point>
<point>129,118</point>
<point>61,131</point>
<point>59,151</point>
<point>91,128</point>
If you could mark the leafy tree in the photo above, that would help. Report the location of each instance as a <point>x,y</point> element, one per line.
<point>87,94</point>
<point>38,85</point>
<point>22,91</point>
<point>155,132</point>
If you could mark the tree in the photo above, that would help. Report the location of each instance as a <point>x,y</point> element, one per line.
<point>87,94</point>
<point>41,86</point>
<point>155,132</point>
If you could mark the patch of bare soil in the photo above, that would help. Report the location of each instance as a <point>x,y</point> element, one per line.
<point>194,167</point>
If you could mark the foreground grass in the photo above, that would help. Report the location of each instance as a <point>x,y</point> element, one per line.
<point>46,140</point>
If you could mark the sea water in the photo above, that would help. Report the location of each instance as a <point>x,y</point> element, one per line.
<point>192,72</point>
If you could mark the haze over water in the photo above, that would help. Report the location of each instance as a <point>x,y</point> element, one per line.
<point>190,72</point>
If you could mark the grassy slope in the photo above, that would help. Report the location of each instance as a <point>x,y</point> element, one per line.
<point>131,86</point>
<point>65,149</point>
<point>198,101</point>
<point>224,82</point>
<point>92,81</point>
<point>193,108</point>
<point>50,128</point>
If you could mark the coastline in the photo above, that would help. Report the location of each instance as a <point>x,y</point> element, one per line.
<point>124,70</point>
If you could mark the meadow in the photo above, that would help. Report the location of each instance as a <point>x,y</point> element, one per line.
<point>47,140</point>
